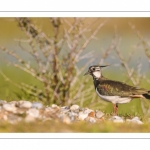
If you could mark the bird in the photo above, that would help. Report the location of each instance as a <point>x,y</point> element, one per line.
<point>114,91</point>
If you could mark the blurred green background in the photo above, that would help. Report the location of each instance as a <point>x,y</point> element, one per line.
<point>10,33</point>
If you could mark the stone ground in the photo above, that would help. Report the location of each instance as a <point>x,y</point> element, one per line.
<point>16,111</point>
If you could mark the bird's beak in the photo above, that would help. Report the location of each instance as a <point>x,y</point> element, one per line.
<point>86,73</point>
<point>104,66</point>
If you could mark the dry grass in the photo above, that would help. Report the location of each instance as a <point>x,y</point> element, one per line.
<point>54,59</point>
<point>80,127</point>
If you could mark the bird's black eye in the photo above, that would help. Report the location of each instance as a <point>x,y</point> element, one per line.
<point>93,69</point>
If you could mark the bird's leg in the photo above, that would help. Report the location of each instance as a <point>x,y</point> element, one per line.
<point>115,111</point>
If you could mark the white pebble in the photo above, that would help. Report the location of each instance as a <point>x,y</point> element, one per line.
<point>99,114</point>
<point>37,105</point>
<point>25,104</point>
<point>10,108</point>
<point>116,119</point>
<point>137,120</point>
<point>87,110</point>
<point>33,112</point>
<point>74,107</point>
<point>82,115</point>
<point>55,106</point>
<point>14,103</point>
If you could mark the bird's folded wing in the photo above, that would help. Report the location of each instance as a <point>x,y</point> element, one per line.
<point>116,88</point>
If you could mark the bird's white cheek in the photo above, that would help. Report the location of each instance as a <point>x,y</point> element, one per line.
<point>97,74</point>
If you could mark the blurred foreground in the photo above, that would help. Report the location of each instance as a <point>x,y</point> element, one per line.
<point>24,116</point>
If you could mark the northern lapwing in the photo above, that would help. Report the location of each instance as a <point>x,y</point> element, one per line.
<point>114,91</point>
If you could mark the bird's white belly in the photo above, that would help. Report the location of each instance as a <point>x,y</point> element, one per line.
<point>114,99</point>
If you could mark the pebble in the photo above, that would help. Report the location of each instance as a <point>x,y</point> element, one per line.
<point>90,119</point>
<point>73,115</point>
<point>2,102</point>
<point>134,120</point>
<point>13,119</point>
<point>99,114</point>
<point>22,110</point>
<point>82,115</point>
<point>14,103</point>
<point>55,106</point>
<point>74,107</point>
<point>33,112</point>
<point>64,109</point>
<point>87,110</point>
<point>116,119</point>
<point>19,103</point>
<point>25,104</point>
<point>10,108</point>
<point>37,105</point>
<point>91,114</point>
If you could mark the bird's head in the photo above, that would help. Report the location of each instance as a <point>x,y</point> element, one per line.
<point>95,71</point>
